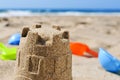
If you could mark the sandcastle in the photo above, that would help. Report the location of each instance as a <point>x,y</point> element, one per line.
<point>44,54</point>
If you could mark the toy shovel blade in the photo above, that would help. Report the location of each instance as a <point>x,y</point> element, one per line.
<point>79,49</point>
<point>15,39</point>
<point>7,53</point>
<point>108,62</point>
<point>2,47</point>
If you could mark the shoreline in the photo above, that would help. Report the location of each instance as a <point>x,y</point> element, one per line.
<point>28,13</point>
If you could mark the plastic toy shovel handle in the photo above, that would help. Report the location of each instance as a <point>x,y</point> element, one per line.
<point>93,53</point>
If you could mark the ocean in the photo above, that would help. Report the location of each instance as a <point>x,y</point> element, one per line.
<point>74,12</point>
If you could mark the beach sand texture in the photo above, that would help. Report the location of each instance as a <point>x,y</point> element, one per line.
<point>96,31</point>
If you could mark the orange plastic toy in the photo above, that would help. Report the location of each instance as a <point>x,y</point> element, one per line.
<point>78,48</point>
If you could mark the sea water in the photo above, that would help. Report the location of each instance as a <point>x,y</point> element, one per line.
<point>74,12</point>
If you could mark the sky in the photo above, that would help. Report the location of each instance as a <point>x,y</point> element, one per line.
<point>76,4</point>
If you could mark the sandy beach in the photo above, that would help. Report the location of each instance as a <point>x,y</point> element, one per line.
<point>95,31</point>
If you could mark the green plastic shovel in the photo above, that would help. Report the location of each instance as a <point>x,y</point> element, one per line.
<point>7,53</point>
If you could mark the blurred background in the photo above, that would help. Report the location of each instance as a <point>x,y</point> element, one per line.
<point>24,7</point>
<point>95,23</point>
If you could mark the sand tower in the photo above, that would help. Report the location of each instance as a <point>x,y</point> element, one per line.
<point>44,54</point>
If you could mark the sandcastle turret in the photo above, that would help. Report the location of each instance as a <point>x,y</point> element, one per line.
<point>44,54</point>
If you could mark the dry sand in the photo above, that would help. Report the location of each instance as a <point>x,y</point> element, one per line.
<point>96,31</point>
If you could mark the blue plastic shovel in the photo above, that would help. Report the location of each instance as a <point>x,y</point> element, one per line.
<point>15,39</point>
<point>108,62</point>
